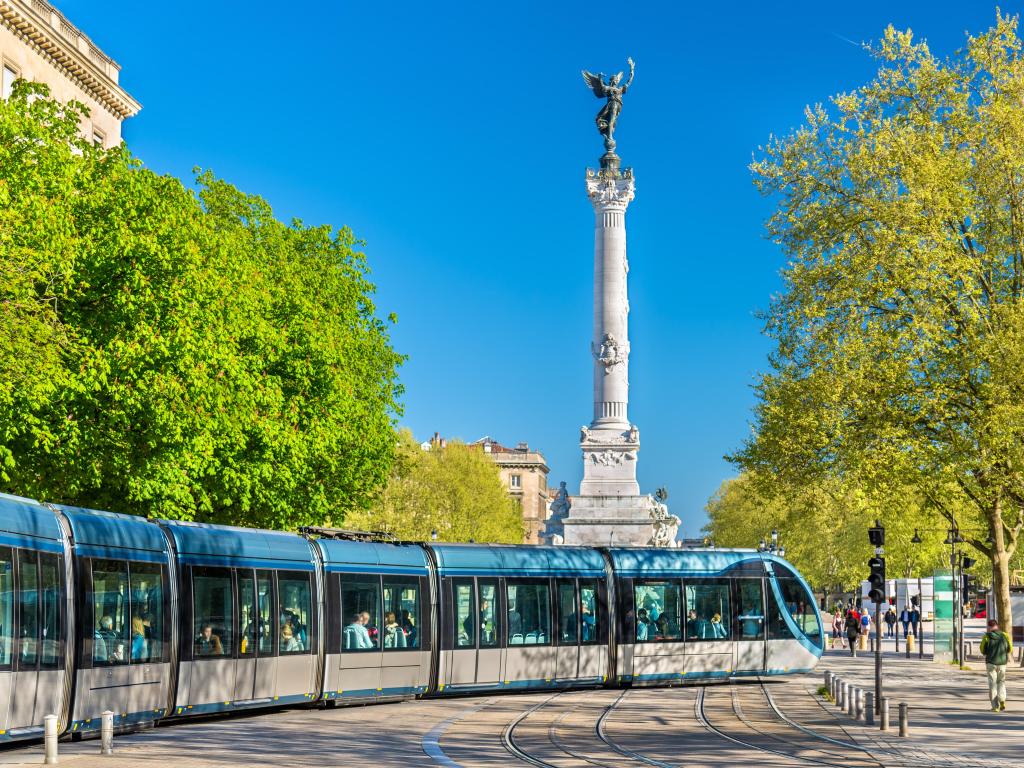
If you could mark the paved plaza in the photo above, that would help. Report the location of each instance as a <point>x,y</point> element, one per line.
<point>773,724</point>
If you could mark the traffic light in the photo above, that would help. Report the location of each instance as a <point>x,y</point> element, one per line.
<point>876,535</point>
<point>970,587</point>
<point>968,562</point>
<point>876,579</point>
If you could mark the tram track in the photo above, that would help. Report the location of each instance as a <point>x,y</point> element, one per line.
<point>761,733</point>
<point>568,730</point>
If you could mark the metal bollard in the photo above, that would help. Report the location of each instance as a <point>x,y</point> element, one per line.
<point>50,739</point>
<point>884,712</point>
<point>869,708</point>
<point>835,689</point>
<point>107,733</point>
<point>858,705</point>
<point>904,719</point>
<point>844,691</point>
<point>851,698</point>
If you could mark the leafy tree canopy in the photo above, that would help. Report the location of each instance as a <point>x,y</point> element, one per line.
<point>900,330</point>
<point>454,490</point>
<point>175,352</point>
<point>823,527</point>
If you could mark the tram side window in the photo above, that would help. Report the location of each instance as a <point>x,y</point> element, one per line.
<point>529,613</point>
<point>568,620</point>
<point>401,613</point>
<point>246,612</point>
<point>294,594</point>
<point>589,598</point>
<point>708,610</point>
<point>463,614</point>
<point>360,611</point>
<point>658,606</point>
<point>6,606</point>
<point>28,608</point>
<point>487,590</point>
<point>51,593</point>
<point>750,611</point>
<point>109,612</point>
<point>212,613</point>
<point>796,604</point>
<point>148,642</point>
<point>265,612</point>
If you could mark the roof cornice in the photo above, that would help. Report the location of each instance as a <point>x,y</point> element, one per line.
<point>26,20</point>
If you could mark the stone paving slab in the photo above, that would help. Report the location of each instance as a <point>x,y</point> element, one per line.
<point>951,723</point>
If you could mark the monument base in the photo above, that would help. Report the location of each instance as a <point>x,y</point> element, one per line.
<point>620,521</point>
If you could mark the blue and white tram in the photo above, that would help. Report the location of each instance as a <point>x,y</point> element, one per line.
<point>705,614</point>
<point>163,619</point>
<point>35,666</point>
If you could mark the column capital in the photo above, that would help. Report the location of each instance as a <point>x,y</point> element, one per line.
<point>609,189</point>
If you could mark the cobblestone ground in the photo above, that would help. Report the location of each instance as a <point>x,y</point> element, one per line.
<point>771,725</point>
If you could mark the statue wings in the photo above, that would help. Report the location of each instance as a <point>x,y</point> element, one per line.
<point>595,83</point>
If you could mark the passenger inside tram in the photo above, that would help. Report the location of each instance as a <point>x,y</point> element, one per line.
<point>207,643</point>
<point>409,627</point>
<point>139,644</point>
<point>751,621</point>
<point>588,623</point>
<point>104,640</point>
<point>289,642</point>
<point>371,630</point>
<point>642,625</point>
<point>356,637</point>
<point>394,636</point>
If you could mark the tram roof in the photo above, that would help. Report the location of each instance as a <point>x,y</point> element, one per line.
<point>205,544</point>
<point>638,562</point>
<point>513,560</point>
<point>112,534</point>
<point>344,555</point>
<point>27,523</point>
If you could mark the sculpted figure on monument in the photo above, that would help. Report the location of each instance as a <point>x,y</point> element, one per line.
<point>561,505</point>
<point>609,354</point>
<point>612,91</point>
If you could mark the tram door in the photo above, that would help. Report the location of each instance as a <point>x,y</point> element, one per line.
<point>567,660</point>
<point>750,628</point>
<point>26,654</point>
<point>476,652</point>
<point>488,659</point>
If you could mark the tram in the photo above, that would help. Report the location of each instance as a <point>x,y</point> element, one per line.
<point>157,619</point>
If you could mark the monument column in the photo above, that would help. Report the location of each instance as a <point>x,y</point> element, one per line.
<point>610,444</point>
<point>610,509</point>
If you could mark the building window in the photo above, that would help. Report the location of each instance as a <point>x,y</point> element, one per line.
<point>516,481</point>
<point>98,138</point>
<point>10,75</point>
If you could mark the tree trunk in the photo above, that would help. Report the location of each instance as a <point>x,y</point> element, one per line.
<point>1001,588</point>
<point>1000,556</point>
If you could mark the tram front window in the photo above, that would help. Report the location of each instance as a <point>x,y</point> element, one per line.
<point>797,603</point>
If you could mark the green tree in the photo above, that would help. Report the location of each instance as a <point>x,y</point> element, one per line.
<point>823,527</point>
<point>455,490</point>
<point>179,353</point>
<point>900,331</point>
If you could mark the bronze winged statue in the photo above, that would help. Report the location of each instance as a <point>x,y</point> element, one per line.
<point>612,91</point>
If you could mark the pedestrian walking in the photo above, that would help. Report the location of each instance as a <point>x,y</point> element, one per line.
<point>890,622</point>
<point>915,616</point>
<point>837,628</point>
<point>865,624</point>
<point>905,620</point>
<point>996,647</point>
<point>852,628</point>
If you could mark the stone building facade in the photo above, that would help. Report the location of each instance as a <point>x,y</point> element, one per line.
<point>525,475</point>
<point>37,43</point>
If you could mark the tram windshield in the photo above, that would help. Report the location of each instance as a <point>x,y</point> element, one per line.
<point>798,603</point>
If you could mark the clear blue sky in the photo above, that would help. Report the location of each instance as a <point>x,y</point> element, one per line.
<point>453,138</point>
